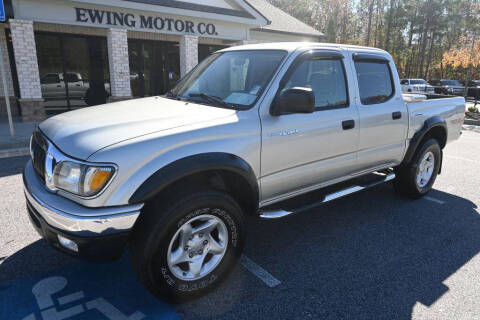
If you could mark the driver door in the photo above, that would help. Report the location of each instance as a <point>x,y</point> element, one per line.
<point>303,151</point>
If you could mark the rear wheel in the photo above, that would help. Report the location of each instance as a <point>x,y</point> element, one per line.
<point>184,250</point>
<point>416,178</point>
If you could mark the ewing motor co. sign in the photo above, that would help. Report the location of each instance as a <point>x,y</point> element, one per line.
<point>139,21</point>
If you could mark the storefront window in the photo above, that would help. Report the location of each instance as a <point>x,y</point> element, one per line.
<point>73,71</point>
<point>154,67</point>
<point>204,50</point>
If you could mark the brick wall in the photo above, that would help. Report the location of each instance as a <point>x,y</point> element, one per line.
<point>119,64</point>
<point>188,53</point>
<point>26,59</point>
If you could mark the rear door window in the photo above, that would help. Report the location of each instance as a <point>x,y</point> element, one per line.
<point>375,81</point>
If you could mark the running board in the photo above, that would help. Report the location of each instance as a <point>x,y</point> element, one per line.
<point>279,213</point>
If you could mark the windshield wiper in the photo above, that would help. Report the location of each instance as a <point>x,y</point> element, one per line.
<point>170,94</point>
<point>212,99</point>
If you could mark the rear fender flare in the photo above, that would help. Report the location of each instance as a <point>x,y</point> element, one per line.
<point>418,137</point>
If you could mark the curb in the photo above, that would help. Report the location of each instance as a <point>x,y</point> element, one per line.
<point>472,122</point>
<point>17,152</point>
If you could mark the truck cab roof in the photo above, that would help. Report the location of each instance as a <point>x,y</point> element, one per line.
<point>293,46</point>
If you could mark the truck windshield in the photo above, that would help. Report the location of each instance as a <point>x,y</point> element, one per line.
<point>418,81</point>
<point>451,83</point>
<point>232,79</point>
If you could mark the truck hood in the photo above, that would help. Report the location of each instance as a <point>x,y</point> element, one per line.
<point>82,132</point>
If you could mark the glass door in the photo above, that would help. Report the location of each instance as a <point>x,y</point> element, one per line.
<point>73,71</point>
<point>50,64</point>
<point>154,67</point>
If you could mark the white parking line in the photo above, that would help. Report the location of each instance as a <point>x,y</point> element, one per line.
<point>464,159</point>
<point>434,200</point>
<point>259,272</point>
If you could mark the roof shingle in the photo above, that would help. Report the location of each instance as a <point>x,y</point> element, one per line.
<point>282,21</point>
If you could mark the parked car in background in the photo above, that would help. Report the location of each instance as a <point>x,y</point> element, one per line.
<point>447,86</point>
<point>53,85</point>
<point>473,89</point>
<point>416,86</point>
<point>251,127</point>
<point>54,88</point>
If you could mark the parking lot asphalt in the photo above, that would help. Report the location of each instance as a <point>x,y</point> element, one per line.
<point>370,255</point>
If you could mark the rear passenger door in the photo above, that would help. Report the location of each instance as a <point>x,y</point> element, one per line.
<point>383,113</point>
<point>304,150</point>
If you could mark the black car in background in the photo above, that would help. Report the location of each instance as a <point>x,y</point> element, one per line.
<point>447,86</point>
<point>474,89</point>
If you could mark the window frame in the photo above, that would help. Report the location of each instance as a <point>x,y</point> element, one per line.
<point>315,55</point>
<point>373,58</point>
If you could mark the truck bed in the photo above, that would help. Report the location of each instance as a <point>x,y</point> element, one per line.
<point>422,107</point>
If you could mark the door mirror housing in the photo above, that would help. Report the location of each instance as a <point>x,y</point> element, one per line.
<point>294,100</point>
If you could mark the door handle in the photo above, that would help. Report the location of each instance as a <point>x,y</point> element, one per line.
<point>348,124</point>
<point>59,85</point>
<point>396,115</point>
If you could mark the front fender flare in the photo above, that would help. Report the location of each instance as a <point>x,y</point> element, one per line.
<point>195,164</point>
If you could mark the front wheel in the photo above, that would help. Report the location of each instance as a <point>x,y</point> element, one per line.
<point>184,250</point>
<point>416,178</point>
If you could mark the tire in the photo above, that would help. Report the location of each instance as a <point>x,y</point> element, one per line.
<point>161,229</point>
<point>406,182</point>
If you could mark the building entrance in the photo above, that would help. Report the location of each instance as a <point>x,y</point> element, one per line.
<point>154,67</point>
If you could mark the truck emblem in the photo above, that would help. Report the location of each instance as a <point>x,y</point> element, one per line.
<point>284,132</point>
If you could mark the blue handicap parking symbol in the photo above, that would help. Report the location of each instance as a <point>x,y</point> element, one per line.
<point>82,291</point>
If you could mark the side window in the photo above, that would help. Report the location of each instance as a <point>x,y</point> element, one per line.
<point>374,81</point>
<point>71,77</point>
<point>326,78</point>
<point>50,78</point>
<point>405,82</point>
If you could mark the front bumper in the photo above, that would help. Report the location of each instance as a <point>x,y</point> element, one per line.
<point>100,233</point>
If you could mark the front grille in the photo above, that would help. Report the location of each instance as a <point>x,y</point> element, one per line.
<point>39,152</point>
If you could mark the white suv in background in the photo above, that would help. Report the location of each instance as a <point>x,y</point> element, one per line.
<point>416,86</point>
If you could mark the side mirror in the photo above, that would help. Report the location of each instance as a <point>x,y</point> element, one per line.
<point>294,100</point>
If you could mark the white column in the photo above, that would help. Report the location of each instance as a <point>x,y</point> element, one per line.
<point>117,41</point>
<point>23,39</point>
<point>188,54</point>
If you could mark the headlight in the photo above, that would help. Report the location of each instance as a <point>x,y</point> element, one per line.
<point>81,179</point>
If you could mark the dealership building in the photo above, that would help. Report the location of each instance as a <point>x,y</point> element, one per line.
<point>65,54</point>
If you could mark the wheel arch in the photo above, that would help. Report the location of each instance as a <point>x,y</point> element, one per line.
<point>434,127</point>
<point>220,171</point>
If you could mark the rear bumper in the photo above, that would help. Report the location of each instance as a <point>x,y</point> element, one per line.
<point>100,233</point>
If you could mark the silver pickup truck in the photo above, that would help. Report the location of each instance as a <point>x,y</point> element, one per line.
<point>260,130</point>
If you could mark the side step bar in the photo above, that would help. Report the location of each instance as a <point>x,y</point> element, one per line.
<point>275,214</point>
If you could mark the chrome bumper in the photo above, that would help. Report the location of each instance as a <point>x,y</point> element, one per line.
<point>70,217</point>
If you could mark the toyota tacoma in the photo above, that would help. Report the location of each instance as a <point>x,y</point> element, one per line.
<point>257,130</point>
